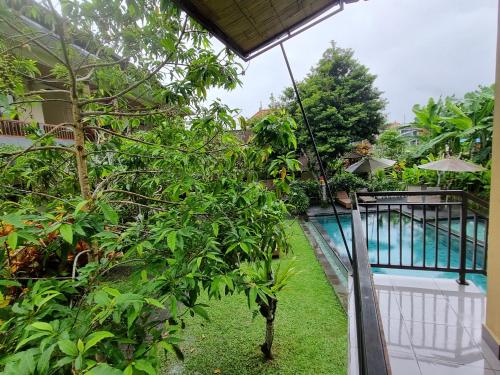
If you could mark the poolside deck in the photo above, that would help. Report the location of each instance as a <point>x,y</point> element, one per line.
<point>433,327</point>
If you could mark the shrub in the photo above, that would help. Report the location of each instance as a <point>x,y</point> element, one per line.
<point>345,181</point>
<point>381,181</point>
<point>310,187</point>
<point>298,199</point>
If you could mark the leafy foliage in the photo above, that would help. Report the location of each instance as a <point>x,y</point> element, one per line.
<point>391,145</point>
<point>298,199</point>
<point>341,101</point>
<point>155,184</point>
<point>345,181</point>
<point>464,126</point>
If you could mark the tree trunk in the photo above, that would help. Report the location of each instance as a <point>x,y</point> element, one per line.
<point>81,155</point>
<point>268,311</point>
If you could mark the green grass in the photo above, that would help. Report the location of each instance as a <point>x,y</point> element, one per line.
<point>310,328</point>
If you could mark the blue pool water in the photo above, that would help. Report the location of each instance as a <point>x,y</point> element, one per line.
<point>402,235</point>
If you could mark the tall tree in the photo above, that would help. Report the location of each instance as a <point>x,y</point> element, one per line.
<point>341,101</point>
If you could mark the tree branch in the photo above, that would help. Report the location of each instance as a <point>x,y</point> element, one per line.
<point>41,101</point>
<point>128,154</point>
<point>140,82</point>
<point>127,114</point>
<point>35,149</point>
<point>64,47</point>
<point>125,136</point>
<point>104,64</point>
<point>118,174</point>
<point>139,205</point>
<point>35,193</point>
<point>41,92</point>
<point>131,193</point>
<point>51,131</point>
<point>25,42</point>
<point>48,81</point>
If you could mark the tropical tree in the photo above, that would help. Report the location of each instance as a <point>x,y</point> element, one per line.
<point>463,126</point>
<point>391,145</point>
<point>341,101</point>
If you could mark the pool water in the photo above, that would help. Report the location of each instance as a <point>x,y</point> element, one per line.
<point>390,254</point>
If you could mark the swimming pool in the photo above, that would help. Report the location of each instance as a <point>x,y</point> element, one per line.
<point>400,234</point>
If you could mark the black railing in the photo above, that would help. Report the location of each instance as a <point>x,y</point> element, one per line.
<point>372,350</point>
<point>442,230</point>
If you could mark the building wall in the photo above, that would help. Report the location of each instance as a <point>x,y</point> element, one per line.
<point>492,325</point>
<point>57,112</point>
<point>32,112</point>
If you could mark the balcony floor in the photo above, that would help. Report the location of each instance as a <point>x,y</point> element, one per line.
<point>433,326</point>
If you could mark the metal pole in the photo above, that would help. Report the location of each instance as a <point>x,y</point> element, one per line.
<point>463,241</point>
<point>318,157</point>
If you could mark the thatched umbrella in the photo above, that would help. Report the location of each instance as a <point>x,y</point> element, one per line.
<point>369,165</point>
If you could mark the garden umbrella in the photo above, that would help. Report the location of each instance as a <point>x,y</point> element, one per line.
<point>452,165</point>
<point>369,165</point>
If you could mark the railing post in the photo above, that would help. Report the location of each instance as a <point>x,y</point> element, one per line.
<point>463,241</point>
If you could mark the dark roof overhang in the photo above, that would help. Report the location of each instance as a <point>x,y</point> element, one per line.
<point>251,27</point>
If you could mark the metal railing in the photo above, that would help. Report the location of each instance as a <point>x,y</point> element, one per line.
<point>372,350</point>
<point>444,230</point>
<point>16,128</point>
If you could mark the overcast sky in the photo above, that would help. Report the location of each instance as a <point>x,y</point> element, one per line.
<point>417,49</point>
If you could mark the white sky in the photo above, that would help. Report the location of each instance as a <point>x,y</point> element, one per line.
<point>417,48</point>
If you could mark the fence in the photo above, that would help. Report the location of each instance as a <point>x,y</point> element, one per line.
<point>16,128</point>
<point>443,230</point>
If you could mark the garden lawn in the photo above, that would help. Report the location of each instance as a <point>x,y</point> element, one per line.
<point>310,328</point>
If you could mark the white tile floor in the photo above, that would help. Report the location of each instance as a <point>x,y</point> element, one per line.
<point>433,326</point>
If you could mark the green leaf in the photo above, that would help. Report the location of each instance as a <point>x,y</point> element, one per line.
<point>51,294</point>
<point>172,349</point>
<point>66,232</point>
<point>167,346</point>
<point>64,361</point>
<point>31,338</point>
<point>14,219</point>
<point>79,361</point>
<point>68,347</point>
<point>114,292</point>
<point>145,366</point>
<point>96,337</point>
<point>104,369</point>
<point>201,312</point>
<point>252,295</point>
<point>80,346</point>
<point>244,246</point>
<point>215,228</point>
<point>9,283</point>
<point>12,240</point>
<point>44,360</point>
<point>79,207</point>
<point>172,240</point>
<point>154,302</point>
<point>109,213</point>
<point>129,370</point>
<point>42,326</point>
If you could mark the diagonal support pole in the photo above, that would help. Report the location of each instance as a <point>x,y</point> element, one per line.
<point>315,147</point>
